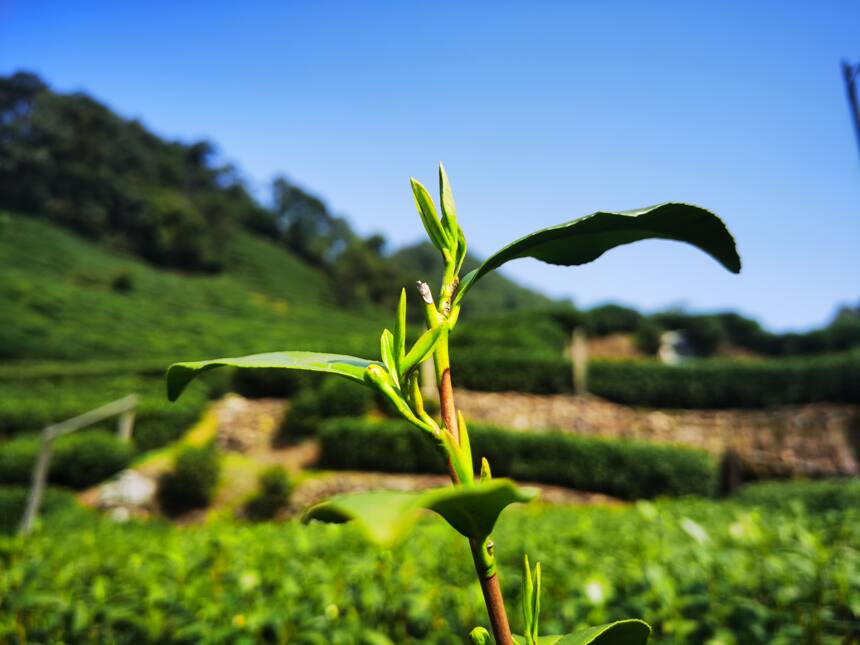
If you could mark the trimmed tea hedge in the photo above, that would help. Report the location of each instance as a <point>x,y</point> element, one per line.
<point>192,482</point>
<point>13,500</point>
<point>626,469</point>
<point>79,460</point>
<point>31,404</point>
<point>714,383</point>
<point>725,384</point>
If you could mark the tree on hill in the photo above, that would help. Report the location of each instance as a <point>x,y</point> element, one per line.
<point>72,160</point>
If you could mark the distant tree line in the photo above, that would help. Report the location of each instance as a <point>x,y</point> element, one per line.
<point>68,158</point>
<point>546,331</point>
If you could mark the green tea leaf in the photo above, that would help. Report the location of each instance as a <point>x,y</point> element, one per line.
<point>422,349</point>
<point>461,251</point>
<point>587,238</point>
<point>528,591</point>
<point>446,198</point>
<point>387,353</point>
<point>431,222</point>
<point>465,448</point>
<point>400,330</point>
<point>179,375</point>
<point>473,510</point>
<point>536,606</point>
<point>385,516</point>
<point>622,632</point>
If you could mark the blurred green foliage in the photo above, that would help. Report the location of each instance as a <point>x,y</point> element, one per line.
<point>13,501</point>
<point>818,496</point>
<point>79,460</point>
<point>273,495</point>
<point>333,398</point>
<point>192,481</point>
<point>701,571</point>
<point>29,404</point>
<point>723,383</point>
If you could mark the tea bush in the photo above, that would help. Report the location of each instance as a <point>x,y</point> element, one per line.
<point>33,403</point>
<point>815,496</point>
<point>724,384</point>
<point>623,468</point>
<point>13,501</point>
<point>273,383</point>
<point>191,484</point>
<point>273,495</point>
<point>79,460</point>
<point>513,371</point>
<point>711,383</point>
<point>333,398</point>
<point>701,571</point>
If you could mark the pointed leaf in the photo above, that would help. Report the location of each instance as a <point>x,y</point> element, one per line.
<point>486,473</point>
<point>455,455</point>
<point>377,377</point>
<point>587,238</point>
<point>461,250</point>
<point>473,510</point>
<point>400,330</point>
<point>465,448</point>
<point>385,516</point>
<point>422,349</point>
<point>179,375</point>
<point>446,198</point>
<point>387,353</point>
<point>536,606</point>
<point>528,600</point>
<point>427,211</point>
<point>622,632</point>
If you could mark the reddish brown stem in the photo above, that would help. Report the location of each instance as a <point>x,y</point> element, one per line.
<point>492,599</point>
<point>446,403</point>
<point>489,583</point>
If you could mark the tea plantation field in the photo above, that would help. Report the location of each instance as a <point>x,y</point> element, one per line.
<point>699,571</point>
<point>64,297</point>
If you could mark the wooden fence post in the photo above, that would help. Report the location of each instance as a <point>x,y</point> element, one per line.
<point>124,407</point>
<point>125,425</point>
<point>579,360</point>
<point>37,485</point>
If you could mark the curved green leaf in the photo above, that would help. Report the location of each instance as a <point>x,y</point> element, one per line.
<point>179,375</point>
<point>400,330</point>
<point>622,632</point>
<point>422,349</point>
<point>446,199</point>
<point>587,238</point>
<point>427,211</point>
<point>385,516</point>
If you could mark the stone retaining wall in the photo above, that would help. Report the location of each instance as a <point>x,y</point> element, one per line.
<point>815,440</point>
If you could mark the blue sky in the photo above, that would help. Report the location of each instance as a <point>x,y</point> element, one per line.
<point>542,112</point>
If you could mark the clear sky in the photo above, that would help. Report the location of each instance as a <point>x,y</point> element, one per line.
<point>542,112</point>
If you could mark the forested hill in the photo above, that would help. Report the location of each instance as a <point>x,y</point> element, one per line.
<point>71,160</point>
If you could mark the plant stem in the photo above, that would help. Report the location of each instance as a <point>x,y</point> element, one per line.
<point>492,590</point>
<point>482,554</point>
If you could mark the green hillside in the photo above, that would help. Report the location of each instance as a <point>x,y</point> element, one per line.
<point>65,297</point>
